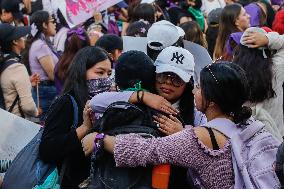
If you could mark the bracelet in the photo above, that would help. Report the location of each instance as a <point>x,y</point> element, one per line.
<point>98,142</point>
<point>140,98</point>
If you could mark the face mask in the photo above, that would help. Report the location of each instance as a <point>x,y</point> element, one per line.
<point>96,86</point>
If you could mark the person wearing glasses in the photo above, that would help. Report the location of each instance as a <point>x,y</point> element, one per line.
<point>174,84</point>
<point>206,152</point>
<point>42,57</point>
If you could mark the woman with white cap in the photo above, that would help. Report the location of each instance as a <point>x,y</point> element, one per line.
<point>174,84</point>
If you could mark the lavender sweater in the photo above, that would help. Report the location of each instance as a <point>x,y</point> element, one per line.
<point>213,167</point>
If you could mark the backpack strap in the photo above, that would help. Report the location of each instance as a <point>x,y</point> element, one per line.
<point>74,126</point>
<point>14,103</point>
<point>5,65</point>
<point>224,126</point>
<point>213,139</point>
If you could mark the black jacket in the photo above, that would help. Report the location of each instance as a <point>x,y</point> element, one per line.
<point>60,143</point>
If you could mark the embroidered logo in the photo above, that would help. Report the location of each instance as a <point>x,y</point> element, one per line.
<point>178,58</point>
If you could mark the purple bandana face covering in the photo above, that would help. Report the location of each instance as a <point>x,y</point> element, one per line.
<point>96,86</point>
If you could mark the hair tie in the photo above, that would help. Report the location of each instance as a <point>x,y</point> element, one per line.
<point>78,31</point>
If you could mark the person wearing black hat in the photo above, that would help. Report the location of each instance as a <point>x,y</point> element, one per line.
<point>15,81</point>
<point>113,44</point>
<point>11,11</point>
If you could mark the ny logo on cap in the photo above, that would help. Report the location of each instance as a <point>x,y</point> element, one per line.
<point>178,58</point>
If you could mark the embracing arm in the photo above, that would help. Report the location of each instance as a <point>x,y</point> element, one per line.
<point>100,102</point>
<point>133,150</point>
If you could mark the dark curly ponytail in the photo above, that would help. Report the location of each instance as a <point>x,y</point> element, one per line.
<point>226,85</point>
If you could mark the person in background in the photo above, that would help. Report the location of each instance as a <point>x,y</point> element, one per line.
<point>265,75</point>
<point>278,24</point>
<point>88,75</point>
<point>194,7</point>
<point>15,81</point>
<point>113,44</point>
<point>213,28</point>
<point>11,12</point>
<point>257,14</point>
<point>193,33</point>
<point>143,11</point>
<point>268,11</point>
<point>209,5</point>
<point>94,32</point>
<point>178,15</point>
<point>61,33</point>
<point>138,29</point>
<point>233,19</point>
<point>76,39</point>
<point>172,36</point>
<point>42,58</point>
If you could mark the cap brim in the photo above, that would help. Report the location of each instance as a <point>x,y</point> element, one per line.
<point>180,31</point>
<point>167,68</point>
<point>19,32</point>
<point>18,15</point>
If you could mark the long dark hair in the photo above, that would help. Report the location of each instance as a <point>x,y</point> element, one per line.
<point>143,11</point>
<point>227,26</point>
<point>186,104</point>
<point>37,18</point>
<point>72,45</point>
<point>75,82</point>
<point>226,85</point>
<point>258,71</point>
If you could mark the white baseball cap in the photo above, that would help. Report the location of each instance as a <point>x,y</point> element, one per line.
<point>176,60</point>
<point>163,32</point>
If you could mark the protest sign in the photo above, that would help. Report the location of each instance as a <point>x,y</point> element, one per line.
<point>201,57</point>
<point>15,134</point>
<point>78,11</point>
<point>134,43</point>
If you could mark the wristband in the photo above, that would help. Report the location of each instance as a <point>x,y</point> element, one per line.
<point>139,98</point>
<point>97,142</point>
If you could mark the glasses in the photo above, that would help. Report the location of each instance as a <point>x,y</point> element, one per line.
<point>175,80</point>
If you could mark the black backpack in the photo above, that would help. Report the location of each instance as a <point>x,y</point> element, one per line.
<point>122,118</point>
<point>5,64</point>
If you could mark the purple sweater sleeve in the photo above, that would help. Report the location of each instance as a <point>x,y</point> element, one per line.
<point>182,149</point>
<point>100,102</point>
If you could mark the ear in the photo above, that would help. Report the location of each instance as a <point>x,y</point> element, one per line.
<point>44,26</point>
<point>111,56</point>
<point>15,42</point>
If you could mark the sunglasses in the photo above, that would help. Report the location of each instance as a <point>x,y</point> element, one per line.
<point>176,81</point>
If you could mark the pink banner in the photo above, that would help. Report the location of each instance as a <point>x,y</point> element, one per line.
<point>78,11</point>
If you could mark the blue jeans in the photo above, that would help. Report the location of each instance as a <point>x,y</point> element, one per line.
<point>46,95</point>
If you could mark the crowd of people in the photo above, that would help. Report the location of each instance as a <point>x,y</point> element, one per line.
<point>192,118</point>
